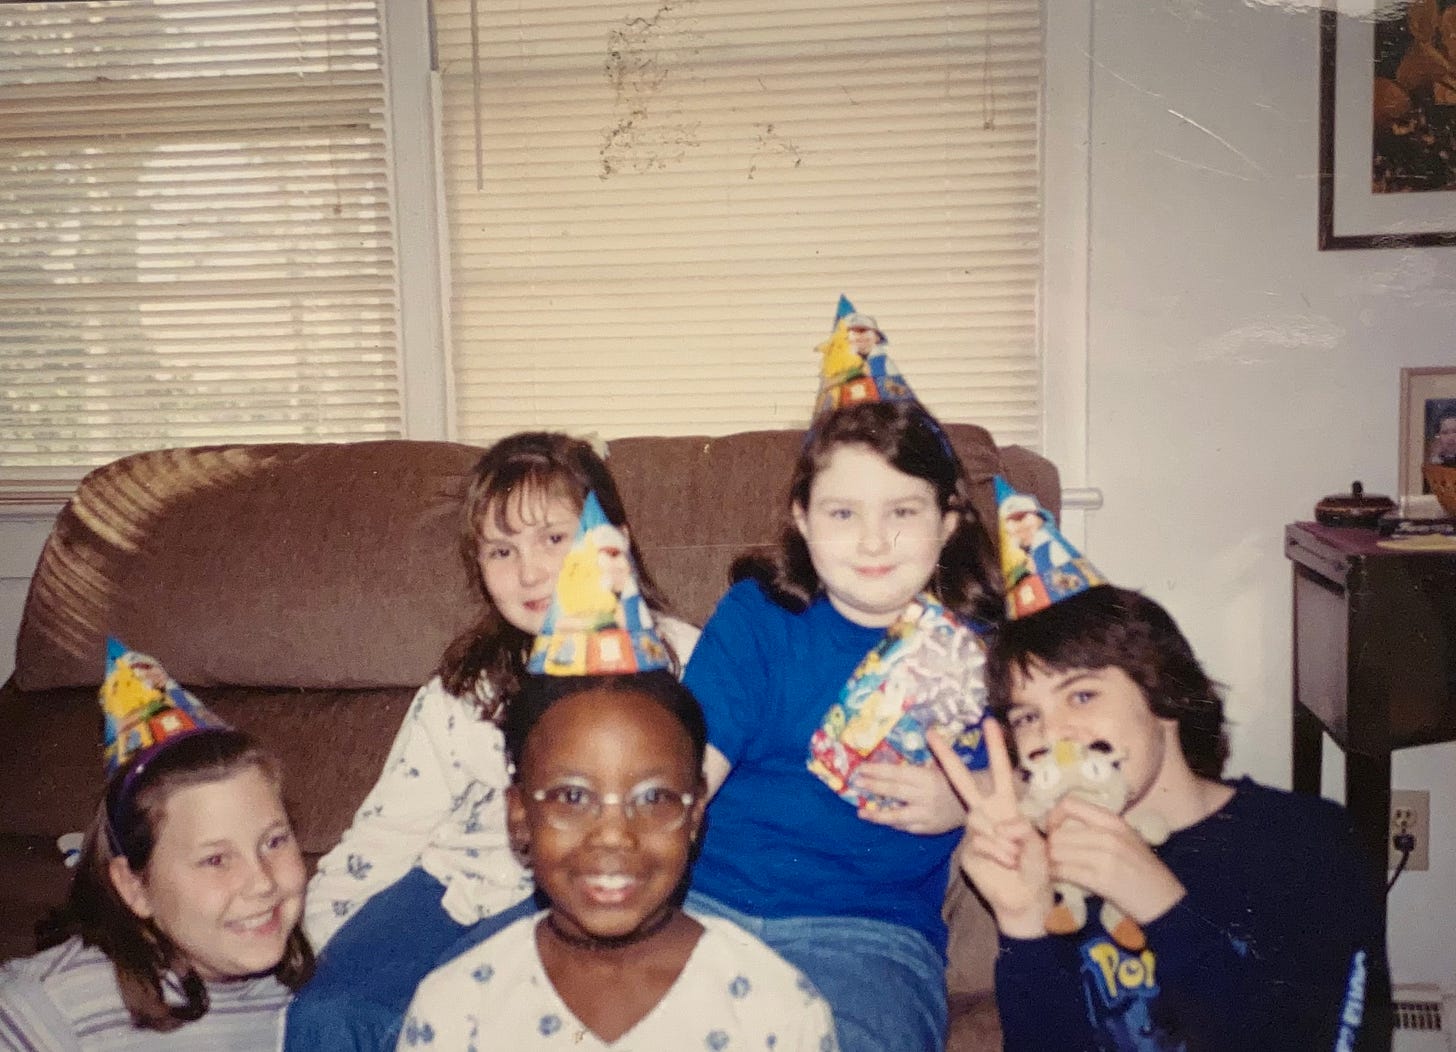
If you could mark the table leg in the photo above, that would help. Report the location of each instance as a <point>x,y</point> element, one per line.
<point>1307,745</point>
<point>1367,798</point>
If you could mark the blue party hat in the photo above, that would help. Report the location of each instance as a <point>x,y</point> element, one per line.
<point>1039,565</point>
<point>855,365</point>
<point>143,708</point>
<point>598,623</point>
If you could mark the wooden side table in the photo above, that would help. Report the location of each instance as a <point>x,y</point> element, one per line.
<point>1374,662</point>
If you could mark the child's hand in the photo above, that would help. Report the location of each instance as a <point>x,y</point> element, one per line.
<point>1002,854</point>
<point>1091,847</point>
<point>928,803</point>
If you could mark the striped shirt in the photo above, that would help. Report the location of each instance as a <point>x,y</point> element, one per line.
<point>65,999</point>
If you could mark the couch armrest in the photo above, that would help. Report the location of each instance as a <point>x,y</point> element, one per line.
<point>289,565</point>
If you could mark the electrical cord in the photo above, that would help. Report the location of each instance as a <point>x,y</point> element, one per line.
<point>1405,843</point>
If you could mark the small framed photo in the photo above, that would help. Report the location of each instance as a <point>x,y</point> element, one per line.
<point>1427,424</point>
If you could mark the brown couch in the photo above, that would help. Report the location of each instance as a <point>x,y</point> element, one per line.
<point>305,591</point>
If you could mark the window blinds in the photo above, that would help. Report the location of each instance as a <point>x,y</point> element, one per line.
<point>653,208</point>
<point>195,234</point>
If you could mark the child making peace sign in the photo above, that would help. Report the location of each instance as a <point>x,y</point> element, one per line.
<point>1257,909</point>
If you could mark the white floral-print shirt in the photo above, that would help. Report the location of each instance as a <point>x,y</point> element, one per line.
<point>439,804</point>
<point>734,993</point>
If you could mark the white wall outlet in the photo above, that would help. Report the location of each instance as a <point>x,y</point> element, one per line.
<point>1410,812</point>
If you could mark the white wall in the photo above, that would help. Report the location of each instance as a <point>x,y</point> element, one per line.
<point>21,537</point>
<point>1236,374</point>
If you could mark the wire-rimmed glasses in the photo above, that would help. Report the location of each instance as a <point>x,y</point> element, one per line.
<point>647,809</point>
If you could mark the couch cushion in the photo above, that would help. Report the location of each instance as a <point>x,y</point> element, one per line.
<point>335,565</point>
<point>331,565</point>
<point>33,881</point>
<point>696,503</point>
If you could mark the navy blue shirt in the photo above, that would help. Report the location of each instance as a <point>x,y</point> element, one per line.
<point>779,842</point>
<point>1275,947</point>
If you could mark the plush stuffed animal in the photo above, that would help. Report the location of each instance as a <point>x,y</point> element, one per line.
<point>1093,772</point>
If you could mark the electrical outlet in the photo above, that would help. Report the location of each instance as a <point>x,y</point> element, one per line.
<point>1410,812</point>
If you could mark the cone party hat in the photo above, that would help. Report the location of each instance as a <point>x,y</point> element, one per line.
<point>1039,565</point>
<point>598,623</point>
<point>143,708</point>
<point>855,365</point>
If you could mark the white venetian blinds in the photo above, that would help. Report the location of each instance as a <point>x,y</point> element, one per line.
<point>653,207</point>
<point>195,235</point>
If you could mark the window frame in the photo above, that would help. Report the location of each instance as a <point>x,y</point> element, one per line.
<point>1066,248</point>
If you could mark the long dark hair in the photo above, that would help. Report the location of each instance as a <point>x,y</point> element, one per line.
<point>911,441</point>
<point>127,824</point>
<point>1111,627</point>
<point>487,660</point>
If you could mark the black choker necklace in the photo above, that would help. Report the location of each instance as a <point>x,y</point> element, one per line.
<point>610,942</point>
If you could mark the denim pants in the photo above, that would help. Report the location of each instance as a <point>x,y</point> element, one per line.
<point>885,982</point>
<point>367,973</point>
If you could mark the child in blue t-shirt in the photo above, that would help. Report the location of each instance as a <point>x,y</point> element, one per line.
<point>880,513</point>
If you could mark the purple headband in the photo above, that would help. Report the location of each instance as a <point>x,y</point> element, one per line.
<point>119,801</point>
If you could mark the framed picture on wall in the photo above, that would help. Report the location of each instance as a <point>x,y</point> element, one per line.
<point>1387,116</point>
<point>1427,424</point>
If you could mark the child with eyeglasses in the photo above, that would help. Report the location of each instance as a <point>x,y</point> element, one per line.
<point>607,802</point>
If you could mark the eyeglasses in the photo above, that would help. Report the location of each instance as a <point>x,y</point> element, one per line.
<point>647,809</point>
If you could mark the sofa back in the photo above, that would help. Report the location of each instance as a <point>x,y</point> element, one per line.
<point>697,503</point>
<point>336,566</point>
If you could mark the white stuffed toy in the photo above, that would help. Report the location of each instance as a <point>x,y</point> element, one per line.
<point>1093,772</point>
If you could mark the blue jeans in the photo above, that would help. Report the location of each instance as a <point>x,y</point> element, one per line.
<point>367,973</point>
<point>885,982</point>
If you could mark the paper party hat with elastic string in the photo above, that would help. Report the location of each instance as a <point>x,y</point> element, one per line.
<point>144,709</point>
<point>598,623</point>
<point>855,365</point>
<point>1039,565</point>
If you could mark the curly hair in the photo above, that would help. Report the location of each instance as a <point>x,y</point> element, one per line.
<point>539,694</point>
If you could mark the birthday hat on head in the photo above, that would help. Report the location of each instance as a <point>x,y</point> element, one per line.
<point>1039,565</point>
<point>143,708</point>
<point>855,365</point>
<point>598,623</point>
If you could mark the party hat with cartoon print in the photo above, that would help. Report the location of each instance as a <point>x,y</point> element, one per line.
<point>1039,565</point>
<point>598,623</point>
<point>143,708</point>
<point>854,364</point>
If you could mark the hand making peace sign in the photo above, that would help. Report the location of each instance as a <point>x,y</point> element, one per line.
<point>1003,853</point>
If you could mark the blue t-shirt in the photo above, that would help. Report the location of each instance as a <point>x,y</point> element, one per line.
<point>779,842</point>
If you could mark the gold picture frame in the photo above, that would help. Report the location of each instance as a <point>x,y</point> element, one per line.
<point>1427,395</point>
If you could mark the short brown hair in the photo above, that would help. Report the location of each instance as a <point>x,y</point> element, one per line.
<point>1110,627</point>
